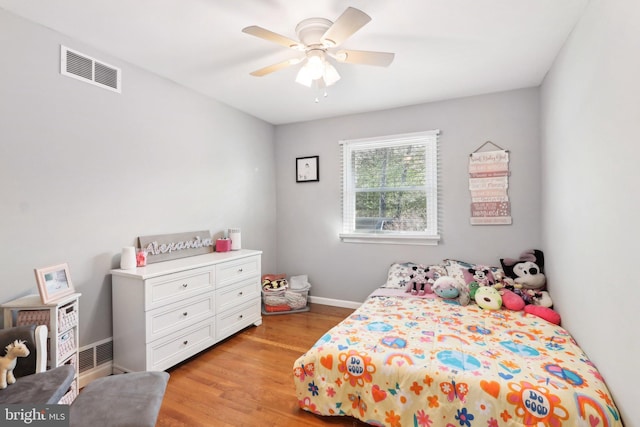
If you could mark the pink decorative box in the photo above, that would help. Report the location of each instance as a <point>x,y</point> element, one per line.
<point>223,245</point>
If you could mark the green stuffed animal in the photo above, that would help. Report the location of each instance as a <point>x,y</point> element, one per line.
<point>488,298</point>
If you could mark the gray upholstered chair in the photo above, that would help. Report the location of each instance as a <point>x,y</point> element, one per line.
<point>125,400</point>
<point>131,400</point>
<point>34,383</point>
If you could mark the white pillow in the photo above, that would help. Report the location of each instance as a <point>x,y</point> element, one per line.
<point>398,275</point>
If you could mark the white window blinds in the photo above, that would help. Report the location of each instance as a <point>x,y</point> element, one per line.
<point>390,189</point>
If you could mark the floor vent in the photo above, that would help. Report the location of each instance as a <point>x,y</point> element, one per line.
<point>87,69</point>
<point>95,361</point>
<point>95,355</point>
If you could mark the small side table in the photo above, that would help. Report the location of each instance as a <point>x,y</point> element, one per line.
<point>61,318</point>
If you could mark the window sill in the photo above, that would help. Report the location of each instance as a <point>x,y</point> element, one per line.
<point>390,239</point>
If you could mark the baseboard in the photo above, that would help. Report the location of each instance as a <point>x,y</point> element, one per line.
<point>101,371</point>
<point>334,302</point>
<point>117,370</point>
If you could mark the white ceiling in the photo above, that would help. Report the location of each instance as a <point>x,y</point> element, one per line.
<point>444,48</point>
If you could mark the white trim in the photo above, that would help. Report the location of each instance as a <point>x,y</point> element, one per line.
<point>390,239</point>
<point>103,370</point>
<point>430,235</point>
<point>335,302</point>
<point>400,139</point>
<point>41,334</point>
<point>117,370</point>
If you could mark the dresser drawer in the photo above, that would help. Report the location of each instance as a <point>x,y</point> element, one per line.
<point>231,272</point>
<point>162,354</point>
<point>177,286</point>
<point>175,317</point>
<point>232,321</point>
<point>237,294</point>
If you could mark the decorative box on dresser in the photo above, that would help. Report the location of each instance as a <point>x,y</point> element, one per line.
<point>168,311</point>
<point>61,319</point>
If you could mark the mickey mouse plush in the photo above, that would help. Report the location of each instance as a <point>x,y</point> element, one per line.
<point>527,275</point>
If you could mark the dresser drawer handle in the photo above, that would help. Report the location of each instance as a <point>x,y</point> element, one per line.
<point>185,314</point>
<point>239,270</point>
<point>184,285</point>
<point>185,342</point>
<point>240,293</point>
<point>241,316</point>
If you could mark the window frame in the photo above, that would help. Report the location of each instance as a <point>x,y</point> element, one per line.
<point>431,235</point>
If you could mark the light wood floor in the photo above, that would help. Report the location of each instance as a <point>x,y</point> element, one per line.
<point>247,380</point>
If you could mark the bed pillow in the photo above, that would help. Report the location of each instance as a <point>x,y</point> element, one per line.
<point>398,275</point>
<point>467,272</point>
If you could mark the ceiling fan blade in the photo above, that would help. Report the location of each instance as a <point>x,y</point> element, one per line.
<point>265,34</point>
<point>276,67</point>
<point>381,59</point>
<point>348,23</point>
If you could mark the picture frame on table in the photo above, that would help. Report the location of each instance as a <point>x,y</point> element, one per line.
<point>54,282</point>
<point>308,169</point>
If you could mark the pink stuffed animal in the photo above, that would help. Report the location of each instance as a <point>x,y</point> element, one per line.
<point>511,300</point>
<point>545,313</point>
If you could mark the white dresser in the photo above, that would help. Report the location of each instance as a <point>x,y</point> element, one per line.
<point>166,312</point>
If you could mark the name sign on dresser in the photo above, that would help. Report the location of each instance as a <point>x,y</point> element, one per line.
<point>165,247</point>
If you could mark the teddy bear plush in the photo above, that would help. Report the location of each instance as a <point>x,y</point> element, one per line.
<point>420,280</point>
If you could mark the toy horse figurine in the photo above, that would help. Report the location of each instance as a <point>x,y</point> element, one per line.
<point>8,363</point>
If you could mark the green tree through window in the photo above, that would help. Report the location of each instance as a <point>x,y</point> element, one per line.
<point>390,185</point>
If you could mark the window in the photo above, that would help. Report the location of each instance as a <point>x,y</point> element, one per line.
<point>390,189</point>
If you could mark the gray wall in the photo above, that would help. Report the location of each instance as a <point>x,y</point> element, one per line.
<point>591,210</point>
<point>85,171</point>
<point>309,214</point>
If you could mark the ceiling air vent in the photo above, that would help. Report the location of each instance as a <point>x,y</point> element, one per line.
<point>83,67</point>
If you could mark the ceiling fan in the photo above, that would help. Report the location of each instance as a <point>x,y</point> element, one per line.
<point>318,41</point>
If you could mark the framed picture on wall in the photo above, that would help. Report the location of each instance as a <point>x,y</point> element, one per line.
<point>308,169</point>
<point>54,282</point>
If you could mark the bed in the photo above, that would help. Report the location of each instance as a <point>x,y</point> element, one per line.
<point>404,360</point>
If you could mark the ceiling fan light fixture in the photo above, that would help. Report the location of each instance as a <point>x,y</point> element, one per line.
<point>315,64</point>
<point>304,77</point>
<point>323,76</point>
<point>317,39</point>
<point>330,75</point>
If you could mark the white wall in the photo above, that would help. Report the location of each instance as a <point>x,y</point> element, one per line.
<point>309,214</point>
<point>590,152</point>
<point>85,171</point>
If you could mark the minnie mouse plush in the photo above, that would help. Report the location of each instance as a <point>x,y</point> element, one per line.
<point>421,277</point>
<point>528,277</point>
<point>528,281</point>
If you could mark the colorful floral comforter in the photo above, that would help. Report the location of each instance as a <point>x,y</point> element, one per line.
<point>407,361</point>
